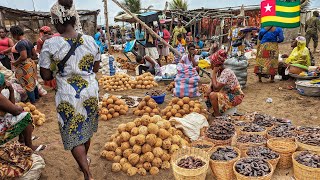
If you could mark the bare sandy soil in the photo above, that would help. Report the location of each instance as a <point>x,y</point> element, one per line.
<point>61,165</point>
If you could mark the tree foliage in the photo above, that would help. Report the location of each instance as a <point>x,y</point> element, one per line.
<point>179,5</point>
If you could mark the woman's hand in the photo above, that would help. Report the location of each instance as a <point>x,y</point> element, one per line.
<point>9,86</point>
<point>216,70</point>
<point>14,63</point>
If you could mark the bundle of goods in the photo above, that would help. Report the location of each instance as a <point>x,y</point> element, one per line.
<point>239,65</point>
<point>285,149</point>
<point>244,142</point>
<point>130,101</point>
<point>264,121</point>
<point>144,145</point>
<point>186,81</point>
<point>254,129</point>
<point>107,65</point>
<point>222,161</point>
<point>283,131</point>
<point>255,168</point>
<point>170,87</point>
<point>308,130</point>
<point>309,142</point>
<point>180,107</point>
<point>220,133</point>
<point>118,82</point>
<point>38,117</point>
<point>306,165</point>
<point>147,106</point>
<point>145,81</point>
<point>265,153</point>
<point>169,71</point>
<point>112,107</point>
<point>190,163</point>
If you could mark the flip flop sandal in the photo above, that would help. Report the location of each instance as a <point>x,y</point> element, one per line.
<point>40,148</point>
<point>33,138</point>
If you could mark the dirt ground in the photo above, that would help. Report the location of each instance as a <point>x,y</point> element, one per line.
<point>61,165</point>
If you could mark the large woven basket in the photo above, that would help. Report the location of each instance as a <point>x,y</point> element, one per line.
<point>302,172</point>
<point>242,177</point>
<point>223,170</point>
<point>273,162</point>
<point>203,142</point>
<point>262,133</point>
<point>289,139</point>
<point>243,147</point>
<point>190,174</point>
<point>285,148</point>
<point>307,147</point>
<point>216,142</point>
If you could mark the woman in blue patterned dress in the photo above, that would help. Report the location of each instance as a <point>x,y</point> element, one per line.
<point>77,87</point>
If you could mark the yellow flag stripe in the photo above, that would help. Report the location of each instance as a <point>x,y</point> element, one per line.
<point>288,9</point>
<point>280,19</point>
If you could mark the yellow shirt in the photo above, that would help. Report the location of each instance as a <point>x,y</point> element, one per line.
<point>183,42</point>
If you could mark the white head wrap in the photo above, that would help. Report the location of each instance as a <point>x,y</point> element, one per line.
<point>60,14</point>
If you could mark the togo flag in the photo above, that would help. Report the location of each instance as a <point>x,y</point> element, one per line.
<point>281,14</point>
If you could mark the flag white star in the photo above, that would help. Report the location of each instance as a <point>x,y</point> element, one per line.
<point>268,7</point>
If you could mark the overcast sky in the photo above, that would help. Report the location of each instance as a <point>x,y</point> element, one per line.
<point>44,5</point>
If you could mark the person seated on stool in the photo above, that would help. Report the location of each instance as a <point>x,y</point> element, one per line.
<point>190,58</point>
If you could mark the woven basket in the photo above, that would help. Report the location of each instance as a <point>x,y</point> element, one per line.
<point>223,170</point>
<point>285,149</point>
<point>190,174</point>
<point>203,142</point>
<point>307,147</point>
<point>273,162</point>
<point>289,139</point>
<point>262,133</point>
<point>299,132</point>
<point>243,147</point>
<point>302,172</point>
<point>226,142</point>
<point>242,177</point>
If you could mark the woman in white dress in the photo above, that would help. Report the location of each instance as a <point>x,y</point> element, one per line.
<point>77,87</point>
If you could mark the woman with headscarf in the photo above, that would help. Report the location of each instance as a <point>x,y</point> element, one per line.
<point>300,54</point>
<point>14,121</point>
<point>225,91</point>
<point>75,58</point>
<point>25,68</point>
<point>45,33</point>
<point>268,52</point>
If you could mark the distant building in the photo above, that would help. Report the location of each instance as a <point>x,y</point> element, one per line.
<point>32,21</point>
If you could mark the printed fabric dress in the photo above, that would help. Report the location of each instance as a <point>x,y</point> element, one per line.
<point>231,94</point>
<point>77,87</point>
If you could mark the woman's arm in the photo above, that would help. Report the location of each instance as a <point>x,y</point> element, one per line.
<point>46,74</point>
<point>215,84</point>
<point>281,37</point>
<point>23,57</point>
<point>96,66</point>
<point>34,54</point>
<point>8,106</point>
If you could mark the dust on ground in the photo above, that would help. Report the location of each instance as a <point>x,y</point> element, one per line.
<point>61,165</point>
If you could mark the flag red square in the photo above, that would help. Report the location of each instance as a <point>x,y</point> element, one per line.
<point>268,8</point>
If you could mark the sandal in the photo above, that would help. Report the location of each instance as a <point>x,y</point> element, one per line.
<point>40,148</point>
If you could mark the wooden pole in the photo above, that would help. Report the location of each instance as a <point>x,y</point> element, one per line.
<point>107,22</point>
<point>147,27</point>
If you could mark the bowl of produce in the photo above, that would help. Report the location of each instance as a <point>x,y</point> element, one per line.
<point>157,95</point>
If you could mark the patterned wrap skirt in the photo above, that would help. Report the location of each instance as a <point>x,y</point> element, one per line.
<point>26,73</point>
<point>228,99</point>
<point>267,59</point>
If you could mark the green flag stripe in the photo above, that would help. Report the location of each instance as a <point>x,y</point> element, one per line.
<point>287,14</point>
<point>280,24</point>
<point>288,4</point>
